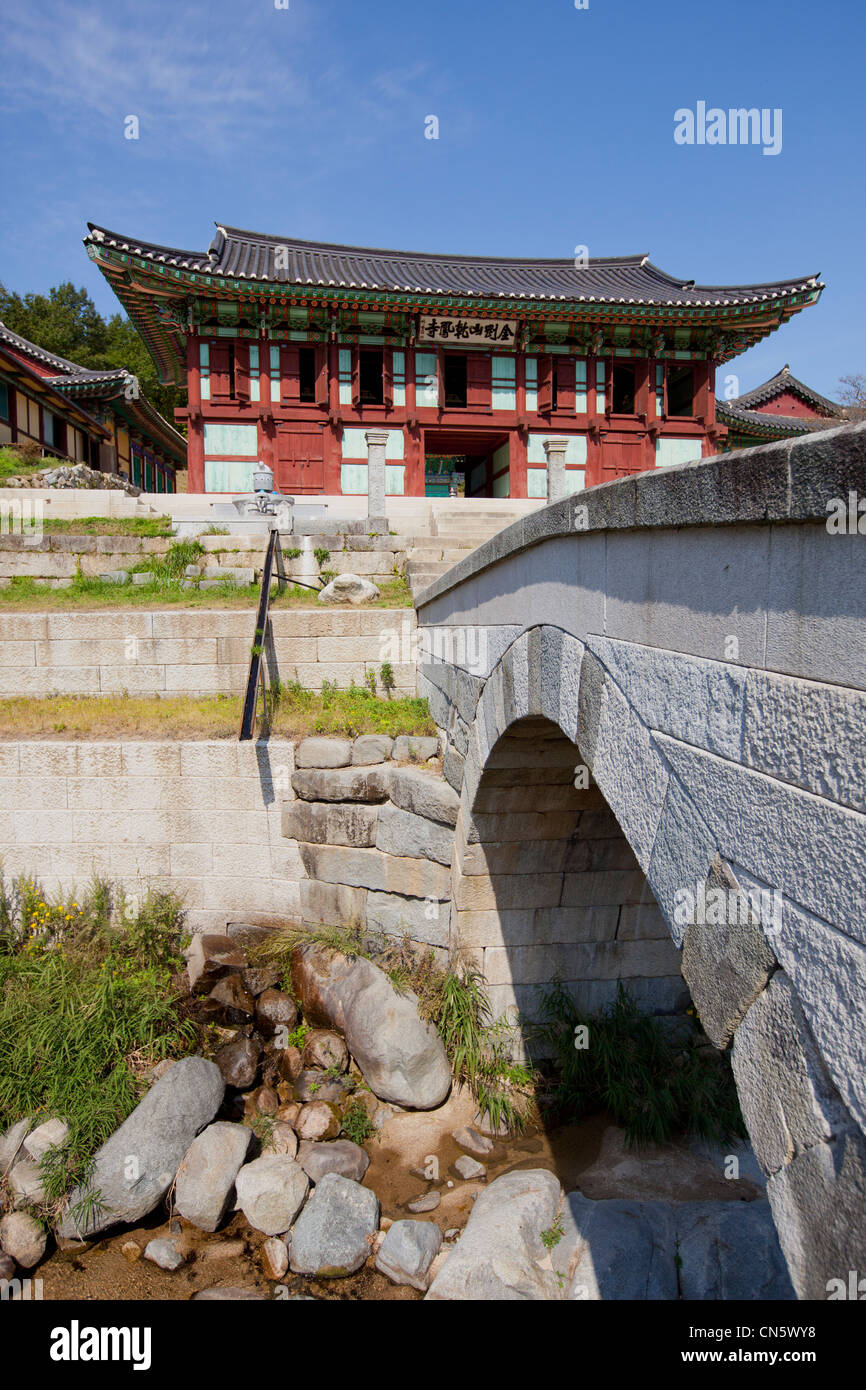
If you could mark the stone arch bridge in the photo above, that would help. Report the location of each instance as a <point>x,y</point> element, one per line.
<point>653,700</point>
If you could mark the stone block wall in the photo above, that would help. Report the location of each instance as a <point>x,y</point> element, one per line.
<point>56,557</point>
<point>546,884</point>
<point>199,818</point>
<point>373,821</point>
<point>173,651</point>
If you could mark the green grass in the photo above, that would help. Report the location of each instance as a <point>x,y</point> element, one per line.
<point>30,594</point>
<point>87,1005</point>
<point>148,526</point>
<point>350,712</point>
<point>655,1087</point>
<point>90,592</point>
<point>172,565</point>
<point>298,712</point>
<point>16,465</point>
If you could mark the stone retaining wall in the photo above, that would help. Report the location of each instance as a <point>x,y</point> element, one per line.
<point>198,652</point>
<point>55,558</point>
<point>327,830</point>
<point>375,835</point>
<point>199,818</point>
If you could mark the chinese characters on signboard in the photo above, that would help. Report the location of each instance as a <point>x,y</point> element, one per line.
<point>470,332</point>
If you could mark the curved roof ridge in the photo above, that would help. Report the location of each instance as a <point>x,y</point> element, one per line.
<point>304,244</point>
<point>784,380</point>
<point>8,335</point>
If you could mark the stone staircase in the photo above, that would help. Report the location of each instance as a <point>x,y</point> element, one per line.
<point>454,535</point>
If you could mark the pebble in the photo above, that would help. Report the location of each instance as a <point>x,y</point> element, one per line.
<point>130,1251</point>
<point>470,1168</point>
<point>428,1201</point>
<point>223,1250</point>
<point>470,1139</point>
<point>164,1253</point>
<point>275,1258</point>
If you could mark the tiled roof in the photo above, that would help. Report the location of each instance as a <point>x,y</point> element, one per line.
<point>91,380</point>
<point>77,382</point>
<point>786,381</point>
<point>766,423</point>
<point>49,359</point>
<point>243,255</point>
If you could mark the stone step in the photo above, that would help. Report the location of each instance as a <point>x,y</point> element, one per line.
<point>473,525</point>
<point>422,578</point>
<point>433,568</point>
<point>470,538</point>
<point>478,520</point>
<point>465,542</point>
<point>420,559</point>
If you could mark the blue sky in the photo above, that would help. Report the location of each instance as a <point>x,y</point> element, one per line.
<point>555,131</point>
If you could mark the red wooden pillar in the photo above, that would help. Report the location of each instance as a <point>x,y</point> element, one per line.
<point>332,447</point>
<point>704,406</point>
<point>413,484</point>
<point>518,441</point>
<point>334,378</point>
<point>413,478</point>
<point>593,458</point>
<point>642,387</point>
<point>195,423</point>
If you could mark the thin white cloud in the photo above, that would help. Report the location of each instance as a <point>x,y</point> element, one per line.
<point>88,67</point>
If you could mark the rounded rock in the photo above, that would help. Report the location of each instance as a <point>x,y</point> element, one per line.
<point>22,1238</point>
<point>326,1049</point>
<point>332,1237</point>
<point>275,1258</point>
<point>274,1010</point>
<point>318,1120</point>
<point>164,1253</point>
<point>270,1192</point>
<point>282,1140</point>
<point>238,1062</point>
<point>339,1156</point>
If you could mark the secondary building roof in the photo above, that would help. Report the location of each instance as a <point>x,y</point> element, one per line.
<point>747,420</point>
<point>81,385</point>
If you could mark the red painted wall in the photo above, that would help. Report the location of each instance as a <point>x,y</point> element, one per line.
<point>786,403</point>
<point>301,441</point>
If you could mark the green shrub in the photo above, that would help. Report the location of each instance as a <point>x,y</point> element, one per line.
<point>654,1086</point>
<point>88,1004</point>
<point>357,1124</point>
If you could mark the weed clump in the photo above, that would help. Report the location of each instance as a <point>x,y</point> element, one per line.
<point>653,1085</point>
<point>89,1002</point>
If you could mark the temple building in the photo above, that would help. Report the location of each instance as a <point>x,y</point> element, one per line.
<point>778,409</point>
<point>101,418</point>
<point>293,350</point>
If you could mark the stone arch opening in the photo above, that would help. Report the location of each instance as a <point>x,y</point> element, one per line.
<point>548,885</point>
<point>545,883</point>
